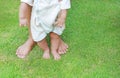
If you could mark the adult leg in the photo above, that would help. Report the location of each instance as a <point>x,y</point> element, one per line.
<point>25,48</point>
<point>63,47</point>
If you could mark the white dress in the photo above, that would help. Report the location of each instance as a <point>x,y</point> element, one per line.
<point>44,14</point>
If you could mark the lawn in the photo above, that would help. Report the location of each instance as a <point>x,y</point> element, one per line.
<point>92,33</point>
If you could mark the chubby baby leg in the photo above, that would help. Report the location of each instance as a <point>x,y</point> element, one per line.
<point>54,45</point>
<point>44,46</point>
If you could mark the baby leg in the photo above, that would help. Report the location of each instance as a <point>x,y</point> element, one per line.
<point>54,45</point>
<point>44,46</point>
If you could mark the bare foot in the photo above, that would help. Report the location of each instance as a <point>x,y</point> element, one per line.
<point>56,56</point>
<point>46,54</point>
<point>24,49</point>
<point>55,40</point>
<point>63,47</point>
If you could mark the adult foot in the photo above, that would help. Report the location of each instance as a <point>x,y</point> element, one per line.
<point>56,56</point>
<point>63,47</point>
<point>24,49</point>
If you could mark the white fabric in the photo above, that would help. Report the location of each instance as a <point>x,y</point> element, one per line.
<point>30,2</point>
<point>44,14</point>
<point>65,4</point>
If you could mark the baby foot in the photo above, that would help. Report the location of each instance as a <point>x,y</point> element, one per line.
<point>46,55</point>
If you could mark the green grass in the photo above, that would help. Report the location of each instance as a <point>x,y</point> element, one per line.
<point>93,36</point>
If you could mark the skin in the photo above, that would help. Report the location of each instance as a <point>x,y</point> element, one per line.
<point>24,20</point>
